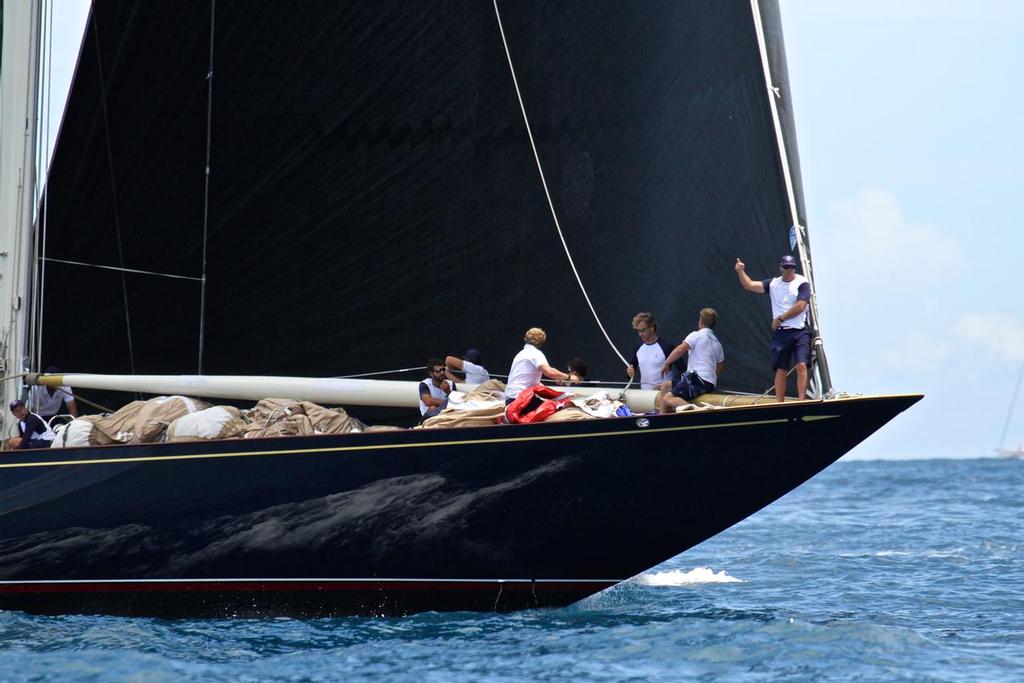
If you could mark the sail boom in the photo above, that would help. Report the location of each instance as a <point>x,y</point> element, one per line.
<point>326,390</point>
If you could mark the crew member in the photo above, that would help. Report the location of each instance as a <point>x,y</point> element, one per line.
<point>50,401</point>
<point>434,389</point>
<point>470,365</point>
<point>649,355</point>
<point>530,364</point>
<point>703,366</point>
<point>32,431</point>
<point>791,341</point>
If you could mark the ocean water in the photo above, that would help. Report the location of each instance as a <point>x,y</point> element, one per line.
<point>882,570</point>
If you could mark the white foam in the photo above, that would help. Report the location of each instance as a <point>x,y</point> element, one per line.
<point>677,577</point>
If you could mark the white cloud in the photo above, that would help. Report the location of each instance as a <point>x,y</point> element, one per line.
<point>878,270</point>
<point>1001,333</point>
<point>870,236</point>
<point>916,352</point>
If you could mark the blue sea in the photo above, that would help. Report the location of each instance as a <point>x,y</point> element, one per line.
<point>885,570</point>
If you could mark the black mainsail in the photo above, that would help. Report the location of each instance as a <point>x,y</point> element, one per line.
<point>373,198</point>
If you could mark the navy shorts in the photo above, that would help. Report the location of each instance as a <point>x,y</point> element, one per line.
<point>790,347</point>
<point>690,386</point>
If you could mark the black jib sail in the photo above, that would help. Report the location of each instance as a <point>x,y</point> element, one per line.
<point>373,196</point>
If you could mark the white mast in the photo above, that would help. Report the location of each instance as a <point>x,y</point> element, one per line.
<point>19,123</point>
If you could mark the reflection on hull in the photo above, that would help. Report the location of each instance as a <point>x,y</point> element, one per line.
<point>495,518</point>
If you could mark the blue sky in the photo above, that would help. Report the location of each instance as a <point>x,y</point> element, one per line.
<point>909,124</point>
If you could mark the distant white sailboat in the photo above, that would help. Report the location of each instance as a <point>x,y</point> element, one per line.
<point>1002,451</point>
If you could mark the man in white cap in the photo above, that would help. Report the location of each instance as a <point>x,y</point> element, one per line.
<point>791,343</point>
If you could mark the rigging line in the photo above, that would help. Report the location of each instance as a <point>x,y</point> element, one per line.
<point>113,185</point>
<point>544,184</point>
<point>40,102</point>
<point>382,372</point>
<point>79,397</point>
<point>1013,402</point>
<point>780,139</point>
<point>33,273</point>
<point>206,188</point>
<point>46,193</point>
<point>122,270</point>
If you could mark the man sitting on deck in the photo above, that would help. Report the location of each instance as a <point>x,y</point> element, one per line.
<point>32,431</point>
<point>705,362</point>
<point>434,389</point>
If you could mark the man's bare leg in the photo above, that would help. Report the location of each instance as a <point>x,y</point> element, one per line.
<point>669,403</point>
<point>801,381</point>
<point>664,391</point>
<point>780,384</point>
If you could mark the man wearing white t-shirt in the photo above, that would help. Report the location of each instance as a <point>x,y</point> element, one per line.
<point>50,401</point>
<point>650,354</point>
<point>703,366</point>
<point>791,341</point>
<point>434,389</point>
<point>470,365</point>
<point>530,364</point>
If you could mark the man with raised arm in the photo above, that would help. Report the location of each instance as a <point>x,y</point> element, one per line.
<point>468,364</point>
<point>791,343</point>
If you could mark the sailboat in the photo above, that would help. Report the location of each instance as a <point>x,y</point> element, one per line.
<point>339,189</point>
<point>1002,451</point>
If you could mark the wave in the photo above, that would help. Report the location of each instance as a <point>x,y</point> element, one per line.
<point>678,577</point>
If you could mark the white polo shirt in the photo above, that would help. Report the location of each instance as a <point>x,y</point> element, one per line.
<point>705,354</point>
<point>475,374</point>
<point>525,371</point>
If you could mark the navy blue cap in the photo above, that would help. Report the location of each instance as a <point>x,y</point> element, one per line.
<point>16,404</point>
<point>472,355</point>
<point>787,261</point>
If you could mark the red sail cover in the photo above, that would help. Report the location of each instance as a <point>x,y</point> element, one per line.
<point>535,404</point>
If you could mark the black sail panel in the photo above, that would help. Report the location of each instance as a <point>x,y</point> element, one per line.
<point>374,199</point>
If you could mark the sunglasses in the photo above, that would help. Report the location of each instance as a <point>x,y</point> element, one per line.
<point>641,330</point>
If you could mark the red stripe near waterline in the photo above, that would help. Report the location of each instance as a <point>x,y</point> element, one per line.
<point>22,588</point>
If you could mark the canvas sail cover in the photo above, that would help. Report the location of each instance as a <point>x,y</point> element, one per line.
<point>373,197</point>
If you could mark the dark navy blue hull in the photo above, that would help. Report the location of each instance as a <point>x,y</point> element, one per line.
<point>398,522</point>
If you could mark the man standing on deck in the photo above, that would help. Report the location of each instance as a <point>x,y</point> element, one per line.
<point>49,401</point>
<point>650,354</point>
<point>790,294</point>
